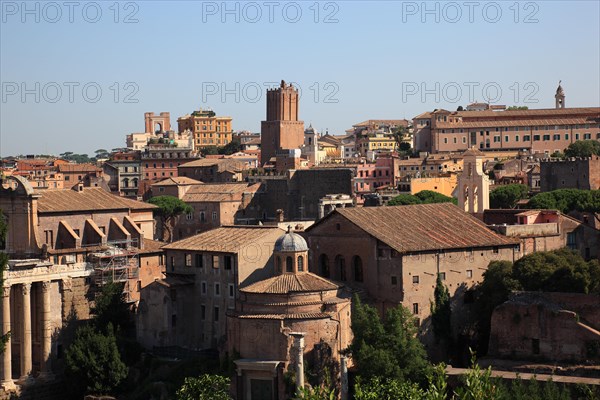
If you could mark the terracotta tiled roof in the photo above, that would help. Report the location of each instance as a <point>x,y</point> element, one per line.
<point>77,168</point>
<point>517,122</point>
<point>289,283</point>
<point>370,122</point>
<point>286,316</point>
<point>176,181</point>
<point>473,152</point>
<point>222,163</point>
<point>423,227</point>
<point>226,239</point>
<point>542,112</point>
<point>89,199</point>
<point>152,246</point>
<point>218,192</point>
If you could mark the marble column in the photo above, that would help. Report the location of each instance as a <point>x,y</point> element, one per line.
<point>299,345</point>
<point>46,373</point>
<point>26,345</point>
<point>7,382</point>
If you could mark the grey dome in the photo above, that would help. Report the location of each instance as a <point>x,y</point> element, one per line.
<point>291,242</point>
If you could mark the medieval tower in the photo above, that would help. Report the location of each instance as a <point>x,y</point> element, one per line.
<point>473,184</point>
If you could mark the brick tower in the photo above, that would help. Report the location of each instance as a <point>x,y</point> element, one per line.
<point>282,130</point>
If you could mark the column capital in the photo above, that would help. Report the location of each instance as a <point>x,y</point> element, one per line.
<point>26,289</point>
<point>45,286</point>
<point>5,291</point>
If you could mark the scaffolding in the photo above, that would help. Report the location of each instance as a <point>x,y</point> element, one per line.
<point>118,263</point>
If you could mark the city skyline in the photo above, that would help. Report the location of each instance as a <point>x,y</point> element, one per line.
<point>387,60</point>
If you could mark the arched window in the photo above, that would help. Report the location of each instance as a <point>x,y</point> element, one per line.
<point>340,265</point>
<point>300,263</point>
<point>278,264</point>
<point>358,269</point>
<point>125,182</point>
<point>289,264</point>
<point>324,265</point>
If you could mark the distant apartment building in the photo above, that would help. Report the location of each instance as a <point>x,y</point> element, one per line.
<point>428,165</point>
<point>536,130</point>
<point>375,136</point>
<point>572,173</point>
<point>124,170</point>
<point>372,175</point>
<point>207,128</point>
<point>443,183</point>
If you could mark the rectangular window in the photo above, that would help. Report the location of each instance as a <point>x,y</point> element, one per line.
<point>215,260</point>
<point>572,240</point>
<point>526,138</point>
<point>231,291</point>
<point>227,262</point>
<point>415,278</point>
<point>415,308</point>
<point>556,137</point>
<point>394,281</point>
<point>188,260</point>
<point>516,138</point>
<point>442,276</point>
<point>217,289</point>
<point>203,312</point>
<point>173,321</point>
<point>587,136</point>
<point>203,287</point>
<point>536,138</point>
<point>546,138</point>
<point>216,314</point>
<point>199,261</point>
<point>172,263</point>
<point>506,138</point>
<point>214,215</point>
<point>469,273</point>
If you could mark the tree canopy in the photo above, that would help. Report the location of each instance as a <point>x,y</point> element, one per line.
<point>93,362</point>
<point>423,197</point>
<point>390,349</point>
<point>507,196</point>
<point>170,207</point>
<point>205,387</point>
<point>567,200</point>
<point>110,309</point>
<point>441,314</point>
<point>583,148</point>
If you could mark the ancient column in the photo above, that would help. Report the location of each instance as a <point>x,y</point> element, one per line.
<point>299,346</point>
<point>7,382</point>
<point>26,334</point>
<point>45,373</point>
<point>344,377</point>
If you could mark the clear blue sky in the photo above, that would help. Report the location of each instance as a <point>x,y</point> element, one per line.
<point>374,58</point>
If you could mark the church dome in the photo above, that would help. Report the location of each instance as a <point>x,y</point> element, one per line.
<point>291,242</point>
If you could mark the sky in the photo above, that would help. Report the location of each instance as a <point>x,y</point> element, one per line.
<point>78,76</point>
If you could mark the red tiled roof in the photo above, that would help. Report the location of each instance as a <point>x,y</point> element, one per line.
<point>285,316</point>
<point>422,227</point>
<point>89,199</point>
<point>226,239</point>
<point>289,283</point>
<point>218,192</point>
<point>176,181</point>
<point>517,122</point>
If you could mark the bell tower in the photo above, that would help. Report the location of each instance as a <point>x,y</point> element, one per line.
<point>560,96</point>
<point>473,183</point>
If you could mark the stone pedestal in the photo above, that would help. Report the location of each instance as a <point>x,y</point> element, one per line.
<point>7,382</point>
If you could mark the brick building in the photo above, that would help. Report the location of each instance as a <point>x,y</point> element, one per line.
<point>396,253</point>
<point>281,130</point>
<point>187,309</point>
<point>124,172</point>
<point>572,173</point>
<point>536,130</point>
<point>214,170</point>
<point>545,230</point>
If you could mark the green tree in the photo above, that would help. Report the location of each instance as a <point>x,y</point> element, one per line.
<point>209,150</point>
<point>404,199</point>
<point>441,314</point>
<point>387,389</point>
<point>567,200</point>
<point>205,387</point>
<point>583,148</point>
<point>3,263</point>
<point>93,363</point>
<point>110,309</point>
<point>512,108</point>
<point>169,207</point>
<point>477,384</point>
<point>429,197</point>
<point>507,196</point>
<point>390,349</point>
<point>232,147</point>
